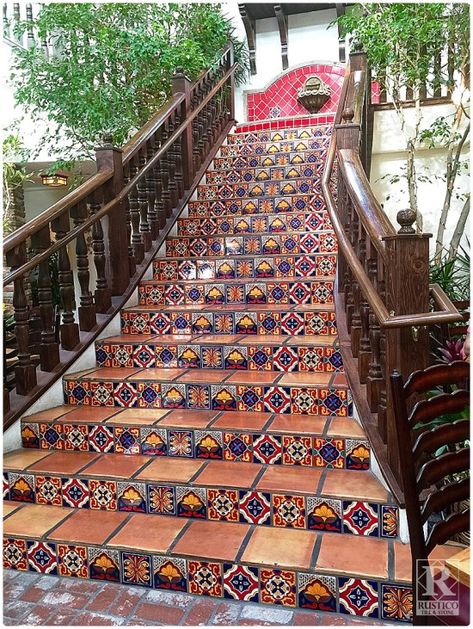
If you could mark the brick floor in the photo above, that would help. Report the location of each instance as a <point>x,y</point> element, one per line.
<point>30,599</point>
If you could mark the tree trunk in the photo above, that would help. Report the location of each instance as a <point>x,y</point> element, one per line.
<point>459,230</point>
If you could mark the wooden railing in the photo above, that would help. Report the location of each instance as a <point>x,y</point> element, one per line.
<point>383,299</point>
<point>120,218</point>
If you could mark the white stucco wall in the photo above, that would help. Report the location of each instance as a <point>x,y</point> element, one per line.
<point>309,39</point>
<point>389,157</point>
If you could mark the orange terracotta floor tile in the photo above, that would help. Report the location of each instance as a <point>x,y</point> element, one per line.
<point>205,375</point>
<point>351,484</point>
<point>339,380</point>
<point>242,420</point>
<point>171,469</point>
<point>10,506</point>
<point>20,459</point>
<point>125,339</point>
<point>228,474</point>
<point>34,520</point>
<point>346,554</point>
<point>257,339</point>
<point>213,540</point>
<point>64,462</point>
<point>298,424</point>
<point>148,532</point>
<point>290,478</point>
<point>402,562</point>
<point>227,339</point>
<point>254,377</point>
<point>155,373</point>
<point>280,547</point>
<point>141,416</point>
<point>49,414</point>
<point>188,418</point>
<point>89,527</point>
<point>88,415</point>
<point>306,378</point>
<point>116,465</point>
<point>111,373</point>
<point>312,341</point>
<point>345,427</point>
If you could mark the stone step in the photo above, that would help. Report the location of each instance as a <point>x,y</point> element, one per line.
<point>210,389</point>
<point>211,351</point>
<point>305,133</point>
<point>245,267</point>
<point>271,148</point>
<point>329,500</point>
<point>275,173</point>
<point>358,575</point>
<point>297,158</point>
<point>255,244</point>
<point>271,188</point>
<point>287,320</point>
<point>269,438</point>
<point>239,207</point>
<point>317,291</point>
<point>259,223</point>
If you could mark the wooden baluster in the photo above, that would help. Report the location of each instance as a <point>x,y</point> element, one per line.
<point>374,381</point>
<point>69,329</point>
<point>109,157</point>
<point>356,327</point>
<point>383,395</point>
<point>145,229</point>
<point>201,143</point>
<point>87,317</point>
<point>181,84</point>
<point>102,294</point>
<point>159,205</point>
<point>173,192</point>
<point>136,238</point>
<point>150,185</point>
<point>179,176</point>
<point>166,195</point>
<point>131,256</point>
<point>25,371</point>
<point>49,347</point>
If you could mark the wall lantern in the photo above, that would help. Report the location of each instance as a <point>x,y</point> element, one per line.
<point>54,181</point>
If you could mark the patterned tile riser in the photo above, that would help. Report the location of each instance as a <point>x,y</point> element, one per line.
<point>304,400</point>
<point>286,323</point>
<point>203,444</point>
<point>267,223</point>
<point>285,243</point>
<point>201,356</point>
<point>260,189</point>
<point>250,506</point>
<point>235,581</point>
<point>274,292</point>
<point>283,174</point>
<point>285,204</point>
<point>271,148</point>
<point>264,267</point>
<point>280,159</point>
<point>277,135</point>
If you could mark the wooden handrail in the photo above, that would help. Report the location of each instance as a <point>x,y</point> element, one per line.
<point>124,209</point>
<point>383,298</point>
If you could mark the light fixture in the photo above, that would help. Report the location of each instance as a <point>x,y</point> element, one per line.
<point>54,181</point>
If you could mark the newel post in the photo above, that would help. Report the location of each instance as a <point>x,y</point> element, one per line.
<point>407,292</point>
<point>109,157</point>
<point>182,85</point>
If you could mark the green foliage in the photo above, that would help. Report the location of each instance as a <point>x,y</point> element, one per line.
<point>453,274</point>
<point>401,39</point>
<point>112,66</point>
<point>13,175</point>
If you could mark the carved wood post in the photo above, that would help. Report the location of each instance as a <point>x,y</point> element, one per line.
<point>49,348</point>
<point>181,84</point>
<point>407,292</point>
<point>109,157</point>
<point>102,295</point>
<point>25,371</point>
<point>86,311</point>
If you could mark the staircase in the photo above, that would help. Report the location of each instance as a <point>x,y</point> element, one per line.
<point>213,449</point>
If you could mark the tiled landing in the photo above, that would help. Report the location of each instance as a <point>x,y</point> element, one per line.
<point>220,560</point>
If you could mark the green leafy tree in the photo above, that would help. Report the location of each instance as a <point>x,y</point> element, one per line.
<point>107,68</point>
<point>402,41</point>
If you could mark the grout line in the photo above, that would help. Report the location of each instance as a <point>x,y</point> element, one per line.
<point>179,536</point>
<point>119,528</point>
<point>245,542</point>
<point>321,482</point>
<point>391,559</point>
<point>263,469</point>
<point>316,552</point>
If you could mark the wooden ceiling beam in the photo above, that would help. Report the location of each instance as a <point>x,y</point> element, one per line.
<point>249,23</point>
<point>283,30</point>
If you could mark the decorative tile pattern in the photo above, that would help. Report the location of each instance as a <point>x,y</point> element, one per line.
<point>205,578</point>
<point>72,561</point>
<point>136,569</point>
<point>358,597</point>
<point>42,557</point>
<point>396,602</point>
<point>318,592</point>
<point>241,583</point>
<point>14,554</point>
<point>278,587</point>
<point>360,518</point>
<point>170,573</point>
<point>104,564</point>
